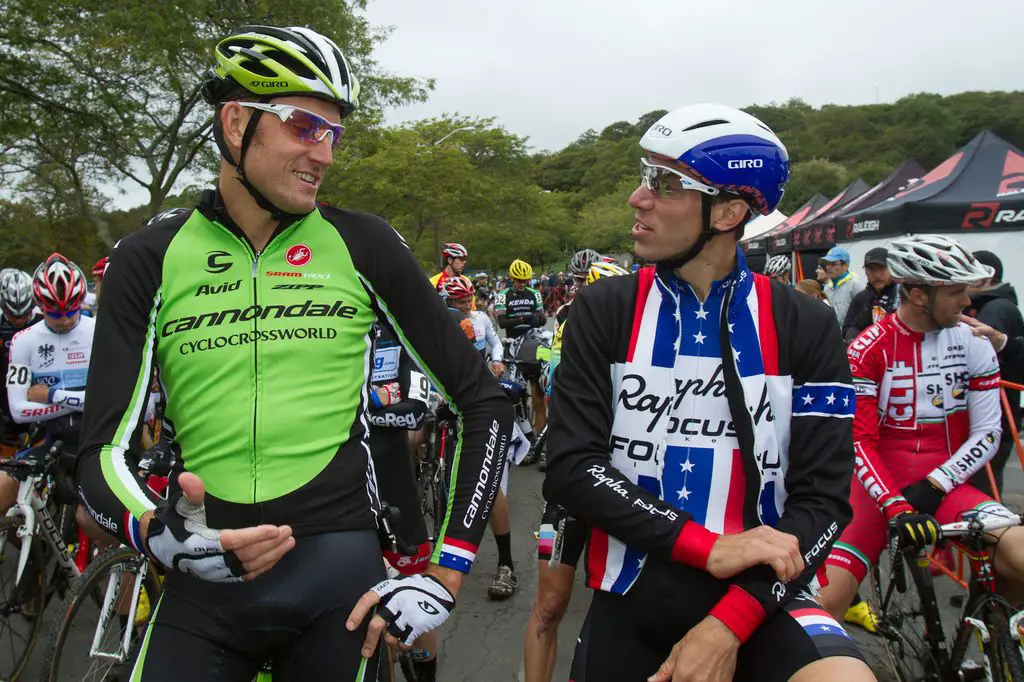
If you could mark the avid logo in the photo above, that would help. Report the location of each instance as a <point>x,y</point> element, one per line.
<point>207,290</point>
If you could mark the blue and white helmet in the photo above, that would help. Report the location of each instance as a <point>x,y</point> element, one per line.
<point>725,148</point>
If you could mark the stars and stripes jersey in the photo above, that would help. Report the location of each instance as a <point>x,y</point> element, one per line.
<point>660,445</point>
<point>924,401</point>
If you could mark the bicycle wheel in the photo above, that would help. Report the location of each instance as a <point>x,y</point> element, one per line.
<point>901,622</point>
<point>70,655</point>
<point>1002,651</point>
<point>21,604</point>
<point>425,488</point>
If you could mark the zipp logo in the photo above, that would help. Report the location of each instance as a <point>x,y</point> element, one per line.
<point>739,164</point>
<point>216,262</point>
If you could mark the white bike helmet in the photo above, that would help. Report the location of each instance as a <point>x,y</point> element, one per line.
<point>777,265</point>
<point>725,150</point>
<point>16,292</point>
<point>934,260</point>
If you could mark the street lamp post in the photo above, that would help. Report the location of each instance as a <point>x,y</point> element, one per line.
<point>437,238</point>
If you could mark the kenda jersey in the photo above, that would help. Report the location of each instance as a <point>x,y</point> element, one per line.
<point>265,358</point>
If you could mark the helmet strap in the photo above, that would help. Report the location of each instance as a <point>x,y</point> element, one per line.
<point>707,233</point>
<point>247,137</point>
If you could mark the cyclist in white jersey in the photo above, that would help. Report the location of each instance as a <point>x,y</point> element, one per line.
<point>459,292</point>
<point>49,363</point>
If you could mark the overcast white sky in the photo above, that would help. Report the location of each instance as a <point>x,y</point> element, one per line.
<point>550,69</point>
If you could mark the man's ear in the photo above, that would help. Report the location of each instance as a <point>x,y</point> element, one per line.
<point>233,119</point>
<point>727,215</point>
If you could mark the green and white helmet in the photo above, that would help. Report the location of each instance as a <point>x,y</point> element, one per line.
<point>273,62</point>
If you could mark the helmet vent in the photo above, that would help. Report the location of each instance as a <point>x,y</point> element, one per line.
<point>705,124</point>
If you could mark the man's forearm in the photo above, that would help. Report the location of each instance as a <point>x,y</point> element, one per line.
<point>451,578</point>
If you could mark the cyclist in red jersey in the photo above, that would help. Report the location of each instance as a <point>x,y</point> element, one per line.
<point>927,417</point>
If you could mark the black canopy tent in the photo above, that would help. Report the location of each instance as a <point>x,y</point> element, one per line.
<point>805,258</point>
<point>980,188</point>
<point>811,235</point>
<point>762,244</point>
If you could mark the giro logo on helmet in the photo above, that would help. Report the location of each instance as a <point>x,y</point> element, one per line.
<point>298,255</point>
<point>269,84</point>
<point>738,164</point>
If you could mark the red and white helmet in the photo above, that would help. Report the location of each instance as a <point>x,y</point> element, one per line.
<point>58,285</point>
<point>453,250</point>
<point>100,268</point>
<point>457,288</point>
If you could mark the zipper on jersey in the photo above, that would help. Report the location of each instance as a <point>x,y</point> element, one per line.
<point>255,365</point>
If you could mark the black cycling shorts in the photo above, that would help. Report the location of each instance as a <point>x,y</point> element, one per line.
<point>294,615</point>
<point>627,637</point>
<point>396,485</point>
<point>570,536</point>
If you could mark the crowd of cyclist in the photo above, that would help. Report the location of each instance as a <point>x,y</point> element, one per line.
<point>730,453</point>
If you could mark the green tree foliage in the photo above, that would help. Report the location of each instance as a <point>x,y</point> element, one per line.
<point>828,147</point>
<point>94,94</point>
<point>453,179</point>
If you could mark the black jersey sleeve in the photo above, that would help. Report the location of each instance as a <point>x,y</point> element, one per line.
<point>120,374</point>
<point>435,342</point>
<point>821,454</point>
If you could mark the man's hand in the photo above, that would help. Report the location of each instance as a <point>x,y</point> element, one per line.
<point>732,554</point>
<point>980,329</point>
<point>410,606</point>
<point>257,548</point>
<point>706,654</point>
<point>38,393</point>
<point>497,368</point>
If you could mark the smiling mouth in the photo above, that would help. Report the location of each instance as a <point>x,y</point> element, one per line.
<point>307,178</point>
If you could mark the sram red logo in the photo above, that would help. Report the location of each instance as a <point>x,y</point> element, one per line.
<point>298,255</point>
<point>987,213</point>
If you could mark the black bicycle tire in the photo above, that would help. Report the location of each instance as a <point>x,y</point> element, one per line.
<point>1002,648</point>
<point>7,525</point>
<point>84,587</point>
<point>885,627</point>
<point>407,668</point>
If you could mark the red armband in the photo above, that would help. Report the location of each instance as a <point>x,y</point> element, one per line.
<point>693,545</point>
<point>739,612</point>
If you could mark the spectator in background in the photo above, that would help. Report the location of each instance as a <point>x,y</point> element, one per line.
<point>878,299</point>
<point>995,304</point>
<point>820,275</point>
<point>843,284</point>
<point>812,289</point>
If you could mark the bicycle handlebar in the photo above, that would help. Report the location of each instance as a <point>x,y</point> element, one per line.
<point>977,524</point>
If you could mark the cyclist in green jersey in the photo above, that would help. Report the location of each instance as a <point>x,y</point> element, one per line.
<point>258,306</point>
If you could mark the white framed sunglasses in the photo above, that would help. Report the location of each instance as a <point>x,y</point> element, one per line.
<point>667,182</point>
<point>309,127</point>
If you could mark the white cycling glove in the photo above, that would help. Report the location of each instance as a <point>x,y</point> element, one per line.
<point>179,539</point>
<point>413,605</point>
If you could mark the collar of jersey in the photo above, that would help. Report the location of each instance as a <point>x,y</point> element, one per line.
<point>211,205</point>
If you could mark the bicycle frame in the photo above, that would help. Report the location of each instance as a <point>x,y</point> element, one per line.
<point>967,536</point>
<point>108,611</point>
<point>31,506</point>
